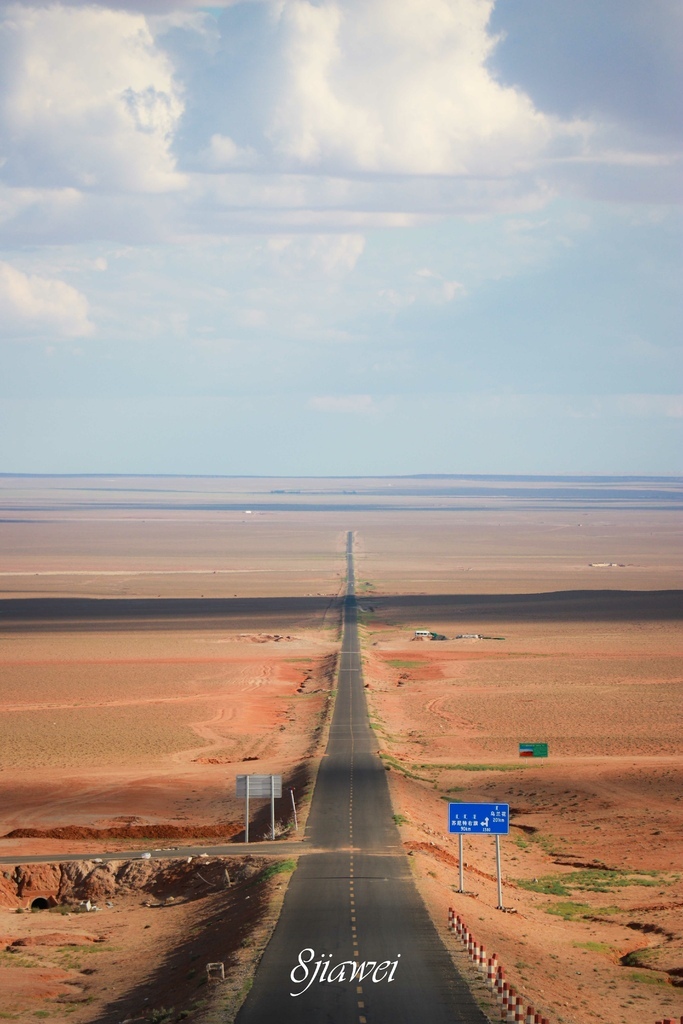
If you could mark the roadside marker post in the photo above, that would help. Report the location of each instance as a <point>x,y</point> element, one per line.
<point>480,819</point>
<point>246,810</point>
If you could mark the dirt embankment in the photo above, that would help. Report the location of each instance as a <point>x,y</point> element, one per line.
<point>72,881</point>
<point>142,955</point>
<point>134,832</point>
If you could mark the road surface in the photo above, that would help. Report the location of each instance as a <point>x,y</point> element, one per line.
<point>356,900</point>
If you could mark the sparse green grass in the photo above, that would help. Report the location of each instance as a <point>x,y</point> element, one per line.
<point>400,819</point>
<point>569,911</point>
<point>160,1015</point>
<point>551,885</point>
<point>393,762</point>
<point>546,842</point>
<point>398,663</point>
<point>473,767</point>
<point>16,960</point>
<point>637,958</point>
<point>595,947</point>
<point>448,795</point>
<point>647,978</point>
<point>588,880</point>
<point>278,868</point>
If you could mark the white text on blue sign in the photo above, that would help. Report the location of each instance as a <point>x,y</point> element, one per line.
<point>479,819</point>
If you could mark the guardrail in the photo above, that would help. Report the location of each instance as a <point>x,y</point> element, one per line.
<point>513,1007</point>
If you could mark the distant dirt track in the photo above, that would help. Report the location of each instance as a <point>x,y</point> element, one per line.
<point>84,614</point>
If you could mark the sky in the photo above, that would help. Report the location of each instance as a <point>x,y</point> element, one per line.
<point>307,237</point>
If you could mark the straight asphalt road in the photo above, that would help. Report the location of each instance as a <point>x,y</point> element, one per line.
<point>355,903</point>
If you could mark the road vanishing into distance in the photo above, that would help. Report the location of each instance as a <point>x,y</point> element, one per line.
<point>351,906</point>
<point>355,902</point>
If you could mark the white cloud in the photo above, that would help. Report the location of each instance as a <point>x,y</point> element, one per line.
<point>440,289</point>
<point>350,114</point>
<point>573,407</point>
<point>89,101</point>
<point>519,406</point>
<point>30,304</point>
<point>354,405</point>
<point>223,153</point>
<point>331,255</point>
<point>373,85</point>
<point>639,405</point>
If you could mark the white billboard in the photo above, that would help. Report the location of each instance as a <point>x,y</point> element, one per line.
<point>260,786</point>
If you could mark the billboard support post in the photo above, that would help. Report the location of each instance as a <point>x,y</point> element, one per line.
<point>246,811</point>
<point>500,884</point>
<point>461,873</point>
<point>258,787</point>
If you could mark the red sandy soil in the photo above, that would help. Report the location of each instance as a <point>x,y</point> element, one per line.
<point>114,729</point>
<point>606,697</point>
<point>137,735</point>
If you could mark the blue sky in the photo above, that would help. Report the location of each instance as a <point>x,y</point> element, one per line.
<point>358,237</point>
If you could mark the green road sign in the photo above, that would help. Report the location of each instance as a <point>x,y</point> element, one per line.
<point>533,750</point>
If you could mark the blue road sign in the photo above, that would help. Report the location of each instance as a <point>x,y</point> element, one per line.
<point>479,819</point>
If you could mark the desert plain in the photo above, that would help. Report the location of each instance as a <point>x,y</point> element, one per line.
<point>159,636</point>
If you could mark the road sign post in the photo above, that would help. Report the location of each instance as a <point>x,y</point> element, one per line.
<point>480,819</point>
<point>246,811</point>
<point>255,787</point>
<point>461,873</point>
<point>500,883</point>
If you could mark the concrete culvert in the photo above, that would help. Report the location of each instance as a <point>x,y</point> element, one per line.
<point>39,903</point>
